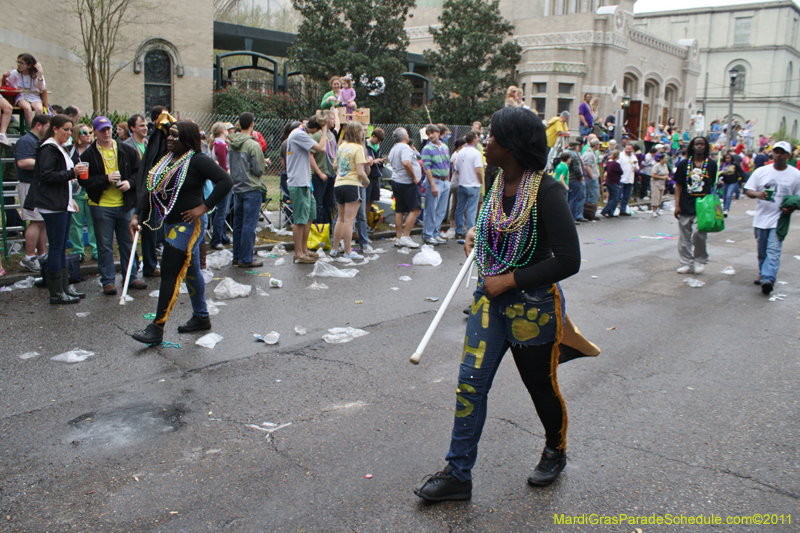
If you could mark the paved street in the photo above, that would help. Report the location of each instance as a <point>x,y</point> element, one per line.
<point>692,408</point>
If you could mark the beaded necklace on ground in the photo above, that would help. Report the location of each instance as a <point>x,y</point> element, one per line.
<point>164,183</point>
<point>504,242</point>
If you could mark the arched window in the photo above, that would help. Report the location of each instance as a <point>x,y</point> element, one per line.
<point>630,86</point>
<point>738,88</point>
<point>157,79</point>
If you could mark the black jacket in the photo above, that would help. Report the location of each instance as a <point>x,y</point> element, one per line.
<point>50,185</point>
<point>128,164</point>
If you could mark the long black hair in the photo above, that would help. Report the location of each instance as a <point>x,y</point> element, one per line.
<point>289,128</point>
<point>690,149</point>
<point>189,135</point>
<point>523,133</point>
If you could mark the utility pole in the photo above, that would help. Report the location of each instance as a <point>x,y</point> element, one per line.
<point>734,73</point>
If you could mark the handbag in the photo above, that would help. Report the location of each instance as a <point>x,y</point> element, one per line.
<point>710,217</point>
<point>319,235</point>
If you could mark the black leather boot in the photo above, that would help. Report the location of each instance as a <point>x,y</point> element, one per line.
<point>68,289</point>
<point>444,486</point>
<point>57,295</point>
<point>550,466</point>
<point>152,334</point>
<point>195,323</point>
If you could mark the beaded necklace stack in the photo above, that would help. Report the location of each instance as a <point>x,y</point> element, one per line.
<point>164,184</point>
<point>505,242</point>
<point>696,177</point>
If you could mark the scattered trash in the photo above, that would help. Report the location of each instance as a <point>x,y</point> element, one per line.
<point>369,476</point>
<point>345,260</point>
<point>594,277</point>
<point>658,238</point>
<point>663,234</point>
<point>777,297</point>
<point>280,262</point>
<point>278,250</point>
<point>219,259</point>
<point>405,278</point>
<point>427,256</point>
<point>431,299</point>
<point>154,294</point>
<point>404,250</point>
<point>728,271</point>
<point>261,292</point>
<point>149,316</point>
<point>730,241</point>
<point>342,335</point>
<point>450,234</point>
<point>395,288</point>
<point>751,213</point>
<point>26,283</point>
<point>372,257</point>
<point>694,283</point>
<point>325,270</point>
<point>359,301</point>
<point>609,329</point>
<point>270,338</point>
<point>797,257</point>
<point>403,265</point>
<point>6,289</point>
<point>28,355</point>
<point>83,315</point>
<point>166,344</point>
<point>378,251</point>
<point>228,289</point>
<point>263,253</point>
<point>300,330</point>
<point>208,276</point>
<point>209,341</point>
<point>282,232</point>
<point>317,286</point>
<point>324,258</point>
<point>73,356</point>
<point>783,283</point>
<point>211,306</point>
<point>128,298</point>
<point>264,275</point>
<point>275,283</point>
<point>16,247</point>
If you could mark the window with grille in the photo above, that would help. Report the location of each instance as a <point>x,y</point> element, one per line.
<point>741,32</point>
<point>157,79</point>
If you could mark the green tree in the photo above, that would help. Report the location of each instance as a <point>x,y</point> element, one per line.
<point>474,64</point>
<point>363,38</point>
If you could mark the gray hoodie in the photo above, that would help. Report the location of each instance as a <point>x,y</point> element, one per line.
<point>247,163</point>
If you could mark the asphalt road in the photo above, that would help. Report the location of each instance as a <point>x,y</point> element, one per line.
<point>692,408</point>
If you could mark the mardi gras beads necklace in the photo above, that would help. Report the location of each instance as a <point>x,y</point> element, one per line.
<point>503,242</point>
<point>697,176</point>
<point>164,183</point>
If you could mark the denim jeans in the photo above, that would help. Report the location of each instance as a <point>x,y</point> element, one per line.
<point>466,207</point>
<point>513,319</point>
<point>110,221</point>
<point>613,199</point>
<point>624,196</point>
<point>361,219</point>
<point>728,190</point>
<point>769,253</point>
<point>218,224</point>
<point>57,227</point>
<point>246,208</point>
<point>150,239</point>
<point>435,208</point>
<point>592,190</point>
<point>576,199</point>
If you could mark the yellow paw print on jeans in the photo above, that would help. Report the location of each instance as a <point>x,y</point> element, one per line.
<point>525,326</point>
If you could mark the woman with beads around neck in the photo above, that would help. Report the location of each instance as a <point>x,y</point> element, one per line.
<point>525,243</point>
<point>174,197</point>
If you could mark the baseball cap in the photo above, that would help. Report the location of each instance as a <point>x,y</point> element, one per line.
<point>783,145</point>
<point>100,123</point>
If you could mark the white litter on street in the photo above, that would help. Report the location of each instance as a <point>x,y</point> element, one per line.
<point>209,341</point>
<point>728,271</point>
<point>317,286</point>
<point>342,335</point>
<point>28,355</point>
<point>73,356</point>
<point>324,270</point>
<point>405,278</point>
<point>228,289</point>
<point>694,283</point>
<point>219,259</point>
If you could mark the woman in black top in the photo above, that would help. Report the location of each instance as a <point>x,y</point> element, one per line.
<point>525,243</point>
<point>173,193</point>
<point>50,192</point>
<point>731,173</point>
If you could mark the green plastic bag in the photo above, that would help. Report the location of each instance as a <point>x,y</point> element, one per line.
<point>710,217</point>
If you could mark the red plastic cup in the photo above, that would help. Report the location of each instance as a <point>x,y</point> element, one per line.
<point>84,173</point>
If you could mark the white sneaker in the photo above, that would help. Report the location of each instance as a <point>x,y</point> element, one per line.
<point>354,256</point>
<point>406,241</point>
<point>4,140</point>
<point>398,242</point>
<point>441,240</point>
<point>442,235</point>
<point>699,268</point>
<point>31,264</point>
<point>368,249</point>
<point>655,214</point>
<point>684,269</point>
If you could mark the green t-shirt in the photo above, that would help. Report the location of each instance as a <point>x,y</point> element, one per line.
<point>322,158</point>
<point>562,172</point>
<point>676,141</point>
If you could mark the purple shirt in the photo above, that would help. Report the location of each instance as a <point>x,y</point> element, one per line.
<point>586,111</point>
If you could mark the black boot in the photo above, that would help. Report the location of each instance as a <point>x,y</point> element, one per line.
<point>68,289</point>
<point>195,323</point>
<point>443,486</point>
<point>57,295</point>
<point>152,334</point>
<point>550,466</point>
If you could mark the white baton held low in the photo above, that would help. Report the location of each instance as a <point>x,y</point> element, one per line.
<point>428,334</point>
<point>130,265</point>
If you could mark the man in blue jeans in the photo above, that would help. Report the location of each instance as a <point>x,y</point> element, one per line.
<point>436,162</point>
<point>247,165</point>
<point>469,167</point>
<point>576,177</point>
<point>585,115</point>
<point>770,184</point>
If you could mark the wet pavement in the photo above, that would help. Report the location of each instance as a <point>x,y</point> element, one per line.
<point>692,408</point>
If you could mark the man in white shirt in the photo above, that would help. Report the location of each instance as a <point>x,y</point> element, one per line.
<point>771,184</point>
<point>469,167</point>
<point>630,166</point>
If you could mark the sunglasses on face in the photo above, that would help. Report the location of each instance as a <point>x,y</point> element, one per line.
<point>85,133</point>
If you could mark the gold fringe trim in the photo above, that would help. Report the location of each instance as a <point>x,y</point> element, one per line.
<point>562,446</point>
<point>160,321</point>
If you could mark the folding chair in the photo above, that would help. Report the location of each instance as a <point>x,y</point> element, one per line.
<point>286,214</point>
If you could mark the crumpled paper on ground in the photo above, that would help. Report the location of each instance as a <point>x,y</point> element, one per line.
<point>219,259</point>
<point>404,250</point>
<point>26,283</point>
<point>73,356</point>
<point>213,307</point>
<point>208,276</point>
<point>427,256</point>
<point>228,289</point>
<point>326,270</point>
<point>278,250</point>
<point>342,335</point>
<point>317,286</point>
<point>209,341</point>
<point>450,234</point>
<point>728,271</point>
<point>694,283</point>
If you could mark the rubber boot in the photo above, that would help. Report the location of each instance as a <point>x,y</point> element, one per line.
<point>68,289</point>
<point>57,295</point>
